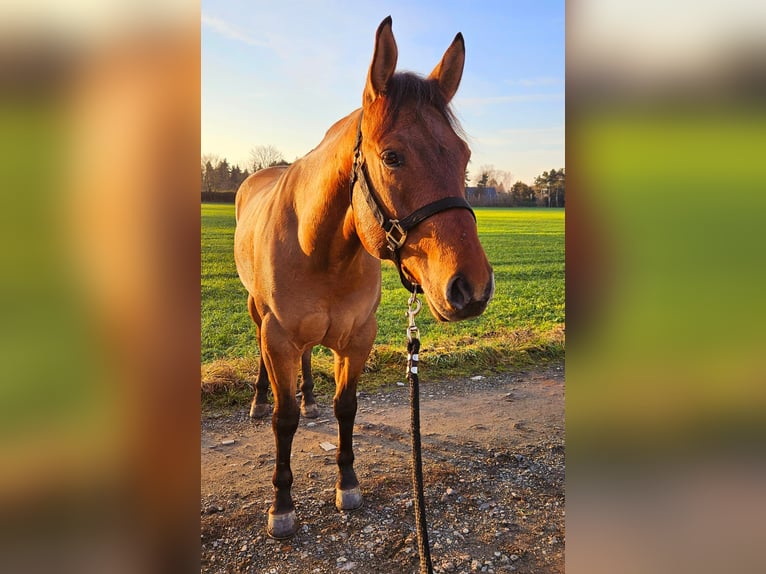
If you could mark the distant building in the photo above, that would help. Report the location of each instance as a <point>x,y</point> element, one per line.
<point>487,194</point>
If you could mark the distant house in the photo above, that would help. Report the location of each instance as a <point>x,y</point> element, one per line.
<point>486,194</point>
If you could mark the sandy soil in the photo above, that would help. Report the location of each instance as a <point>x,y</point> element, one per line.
<point>493,457</point>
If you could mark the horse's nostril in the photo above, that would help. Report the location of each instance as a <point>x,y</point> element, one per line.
<point>458,292</point>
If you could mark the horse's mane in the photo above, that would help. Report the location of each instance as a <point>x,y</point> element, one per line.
<point>409,89</point>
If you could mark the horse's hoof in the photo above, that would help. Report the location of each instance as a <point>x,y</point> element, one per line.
<point>281,525</point>
<point>310,411</point>
<point>350,499</point>
<point>260,410</point>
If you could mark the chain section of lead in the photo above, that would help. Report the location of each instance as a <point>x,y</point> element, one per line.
<point>413,308</point>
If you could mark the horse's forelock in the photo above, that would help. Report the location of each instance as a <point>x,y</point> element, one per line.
<point>407,89</point>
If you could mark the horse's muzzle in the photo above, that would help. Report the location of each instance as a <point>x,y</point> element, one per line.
<point>460,295</point>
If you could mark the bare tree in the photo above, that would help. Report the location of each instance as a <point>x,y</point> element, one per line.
<point>503,180</point>
<point>211,158</point>
<point>485,173</point>
<point>262,156</point>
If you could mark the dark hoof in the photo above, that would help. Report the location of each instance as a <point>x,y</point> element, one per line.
<point>281,526</point>
<point>350,499</point>
<point>310,411</point>
<point>260,410</point>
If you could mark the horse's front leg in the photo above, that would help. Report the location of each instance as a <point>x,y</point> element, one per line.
<point>349,363</point>
<point>281,359</point>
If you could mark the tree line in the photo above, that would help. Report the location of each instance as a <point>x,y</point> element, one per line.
<point>219,181</point>
<point>496,188</point>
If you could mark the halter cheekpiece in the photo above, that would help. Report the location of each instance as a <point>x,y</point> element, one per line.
<point>396,229</point>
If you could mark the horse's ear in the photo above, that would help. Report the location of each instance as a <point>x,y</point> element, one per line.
<point>449,71</point>
<point>383,61</point>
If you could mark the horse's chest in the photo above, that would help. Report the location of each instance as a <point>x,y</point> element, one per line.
<point>332,326</point>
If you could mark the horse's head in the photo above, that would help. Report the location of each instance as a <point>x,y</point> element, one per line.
<point>413,157</point>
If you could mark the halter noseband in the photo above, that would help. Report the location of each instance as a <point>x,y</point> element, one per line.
<point>396,229</point>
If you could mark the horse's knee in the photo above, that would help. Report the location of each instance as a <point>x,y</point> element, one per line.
<point>345,405</point>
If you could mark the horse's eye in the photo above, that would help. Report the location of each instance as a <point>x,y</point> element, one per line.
<point>390,158</point>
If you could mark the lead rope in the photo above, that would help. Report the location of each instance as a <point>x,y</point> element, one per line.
<point>413,348</point>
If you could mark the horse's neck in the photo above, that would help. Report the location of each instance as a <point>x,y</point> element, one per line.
<point>325,223</point>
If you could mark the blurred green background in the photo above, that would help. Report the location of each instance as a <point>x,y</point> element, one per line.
<point>674,356</point>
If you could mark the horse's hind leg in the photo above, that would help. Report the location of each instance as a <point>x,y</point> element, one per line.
<point>260,406</point>
<point>309,407</point>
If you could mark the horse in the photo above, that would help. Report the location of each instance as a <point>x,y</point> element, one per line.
<point>385,183</point>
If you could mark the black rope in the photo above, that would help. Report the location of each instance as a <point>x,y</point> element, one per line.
<point>413,348</point>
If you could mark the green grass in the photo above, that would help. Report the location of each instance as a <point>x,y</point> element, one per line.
<point>523,324</point>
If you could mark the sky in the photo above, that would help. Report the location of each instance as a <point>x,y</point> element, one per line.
<point>282,72</point>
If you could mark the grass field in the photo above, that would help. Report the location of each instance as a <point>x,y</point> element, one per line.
<point>523,324</point>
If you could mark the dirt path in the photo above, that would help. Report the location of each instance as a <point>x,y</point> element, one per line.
<point>493,456</point>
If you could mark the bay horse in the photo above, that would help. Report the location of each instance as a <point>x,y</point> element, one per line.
<point>310,237</point>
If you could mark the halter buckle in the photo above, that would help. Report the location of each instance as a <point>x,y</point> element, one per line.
<point>394,242</point>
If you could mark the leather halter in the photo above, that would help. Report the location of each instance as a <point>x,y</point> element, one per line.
<point>396,229</point>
